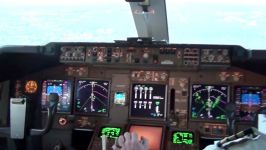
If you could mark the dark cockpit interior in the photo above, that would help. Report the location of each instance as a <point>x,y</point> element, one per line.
<point>67,95</point>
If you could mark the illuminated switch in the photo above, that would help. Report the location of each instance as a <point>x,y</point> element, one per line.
<point>145,104</point>
<point>140,103</point>
<point>150,92</point>
<point>135,104</point>
<point>140,92</point>
<point>145,56</point>
<point>136,91</point>
<point>145,92</point>
<point>150,103</point>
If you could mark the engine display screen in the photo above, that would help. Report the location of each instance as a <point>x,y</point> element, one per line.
<point>209,101</point>
<point>63,88</point>
<point>248,100</point>
<point>110,132</point>
<point>92,97</point>
<point>182,137</point>
<point>148,101</point>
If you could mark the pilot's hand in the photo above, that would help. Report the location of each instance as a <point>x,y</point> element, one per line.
<point>129,141</point>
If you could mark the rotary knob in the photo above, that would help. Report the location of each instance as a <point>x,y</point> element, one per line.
<point>62,121</point>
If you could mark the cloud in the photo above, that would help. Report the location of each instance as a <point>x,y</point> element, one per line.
<point>233,19</point>
<point>77,37</point>
<point>258,15</point>
<point>240,20</point>
<point>246,17</point>
<point>104,31</point>
<point>252,23</point>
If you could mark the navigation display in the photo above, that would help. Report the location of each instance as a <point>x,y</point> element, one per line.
<point>248,101</point>
<point>182,137</point>
<point>63,89</point>
<point>209,101</point>
<point>110,132</point>
<point>148,101</point>
<point>154,134</point>
<point>92,97</point>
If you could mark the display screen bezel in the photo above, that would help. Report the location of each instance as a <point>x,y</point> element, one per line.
<point>150,125</point>
<point>124,101</point>
<point>190,102</point>
<point>148,118</point>
<point>70,82</point>
<point>240,104</point>
<point>106,114</point>
<point>247,86</point>
<point>102,127</point>
<point>174,131</point>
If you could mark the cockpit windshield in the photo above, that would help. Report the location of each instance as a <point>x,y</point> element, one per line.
<point>31,22</point>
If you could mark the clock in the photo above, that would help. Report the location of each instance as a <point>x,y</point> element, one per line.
<point>31,87</point>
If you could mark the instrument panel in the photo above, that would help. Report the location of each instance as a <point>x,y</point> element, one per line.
<point>175,91</point>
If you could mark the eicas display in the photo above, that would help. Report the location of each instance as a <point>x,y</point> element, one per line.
<point>92,97</point>
<point>148,101</point>
<point>209,101</point>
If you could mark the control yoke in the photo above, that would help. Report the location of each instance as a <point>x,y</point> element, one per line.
<point>53,101</point>
<point>18,117</point>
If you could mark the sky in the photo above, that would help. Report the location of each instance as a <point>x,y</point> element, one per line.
<point>38,22</point>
